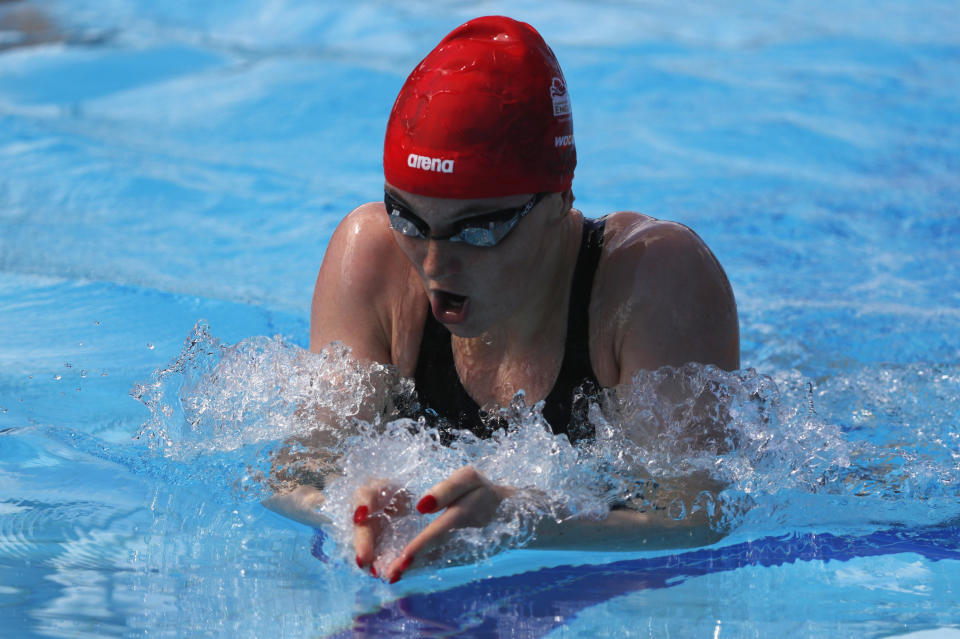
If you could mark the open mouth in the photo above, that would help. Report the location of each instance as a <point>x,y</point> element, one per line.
<point>449,308</point>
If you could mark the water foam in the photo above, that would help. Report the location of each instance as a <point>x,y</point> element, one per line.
<point>751,451</point>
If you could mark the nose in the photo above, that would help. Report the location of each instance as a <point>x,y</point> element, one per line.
<point>440,260</point>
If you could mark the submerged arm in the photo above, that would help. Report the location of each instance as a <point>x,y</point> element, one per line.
<point>625,530</point>
<point>468,499</point>
<point>300,504</point>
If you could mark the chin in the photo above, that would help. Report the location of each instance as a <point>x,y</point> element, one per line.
<point>466,330</point>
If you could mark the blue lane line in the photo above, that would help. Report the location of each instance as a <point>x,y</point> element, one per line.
<point>534,603</point>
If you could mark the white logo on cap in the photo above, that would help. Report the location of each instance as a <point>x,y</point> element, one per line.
<point>425,163</point>
<point>561,101</point>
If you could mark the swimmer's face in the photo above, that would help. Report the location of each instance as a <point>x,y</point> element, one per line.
<point>472,288</point>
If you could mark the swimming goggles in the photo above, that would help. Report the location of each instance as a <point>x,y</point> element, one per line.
<point>485,230</point>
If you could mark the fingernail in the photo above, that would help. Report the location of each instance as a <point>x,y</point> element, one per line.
<point>427,505</point>
<point>359,563</point>
<point>373,570</point>
<point>360,514</point>
<point>406,563</point>
<point>396,577</point>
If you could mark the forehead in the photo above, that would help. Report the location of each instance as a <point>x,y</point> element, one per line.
<point>452,208</point>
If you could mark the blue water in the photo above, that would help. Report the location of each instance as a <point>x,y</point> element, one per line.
<point>166,163</point>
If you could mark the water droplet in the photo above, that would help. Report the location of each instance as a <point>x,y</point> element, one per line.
<point>83,373</point>
<point>67,365</point>
<point>80,344</point>
<point>58,377</point>
<point>150,345</point>
<point>97,323</point>
<point>103,374</point>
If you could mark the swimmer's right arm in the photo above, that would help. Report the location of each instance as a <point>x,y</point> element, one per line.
<point>355,287</point>
<point>351,304</point>
<point>300,504</point>
<point>297,476</point>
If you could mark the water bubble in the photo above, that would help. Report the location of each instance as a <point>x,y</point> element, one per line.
<point>677,510</point>
<point>58,377</point>
<point>150,345</point>
<point>83,373</point>
<point>67,365</point>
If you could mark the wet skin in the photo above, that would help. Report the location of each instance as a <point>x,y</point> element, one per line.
<point>660,298</point>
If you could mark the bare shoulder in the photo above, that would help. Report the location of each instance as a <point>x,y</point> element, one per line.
<point>662,298</point>
<point>633,240</point>
<point>363,233</point>
<point>363,270</point>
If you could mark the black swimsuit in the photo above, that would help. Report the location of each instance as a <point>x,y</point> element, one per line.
<point>448,405</point>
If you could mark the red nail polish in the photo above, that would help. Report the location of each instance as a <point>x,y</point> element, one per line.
<point>427,505</point>
<point>360,514</point>
<point>359,563</point>
<point>373,570</point>
<point>406,563</point>
<point>396,577</point>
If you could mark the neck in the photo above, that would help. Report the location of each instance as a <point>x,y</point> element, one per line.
<point>543,316</point>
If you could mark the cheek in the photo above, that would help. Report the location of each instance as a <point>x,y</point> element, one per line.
<point>415,250</point>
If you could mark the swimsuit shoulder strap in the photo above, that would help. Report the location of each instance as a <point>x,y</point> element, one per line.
<point>561,407</point>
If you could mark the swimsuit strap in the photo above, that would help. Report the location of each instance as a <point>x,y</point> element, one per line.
<point>447,403</point>
<point>565,407</point>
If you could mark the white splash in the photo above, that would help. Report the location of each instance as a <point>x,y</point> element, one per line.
<point>254,417</point>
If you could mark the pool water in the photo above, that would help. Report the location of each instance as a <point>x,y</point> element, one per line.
<point>170,174</point>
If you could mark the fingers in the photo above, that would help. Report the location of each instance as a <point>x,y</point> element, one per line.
<point>451,489</point>
<point>376,503</point>
<point>364,528</point>
<point>365,532</point>
<point>450,520</point>
<point>466,497</point>
<point>475,508</point>
<point>427,537</point>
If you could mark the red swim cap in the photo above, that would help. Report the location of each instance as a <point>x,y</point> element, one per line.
<point>485,114</point>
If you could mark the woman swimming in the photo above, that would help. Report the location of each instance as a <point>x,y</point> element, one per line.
<point>476,277</point>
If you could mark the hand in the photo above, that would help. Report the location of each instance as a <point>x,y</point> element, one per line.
<point>469,499</point>
<point>376,503</point>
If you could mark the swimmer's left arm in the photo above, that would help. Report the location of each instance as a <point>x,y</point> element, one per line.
<point>625,530</point>
<point>468,499</point>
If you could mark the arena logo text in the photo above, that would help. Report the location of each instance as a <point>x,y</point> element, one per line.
<point>425,163</point>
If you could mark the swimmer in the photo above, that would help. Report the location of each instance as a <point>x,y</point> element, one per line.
<point>476,277</point>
